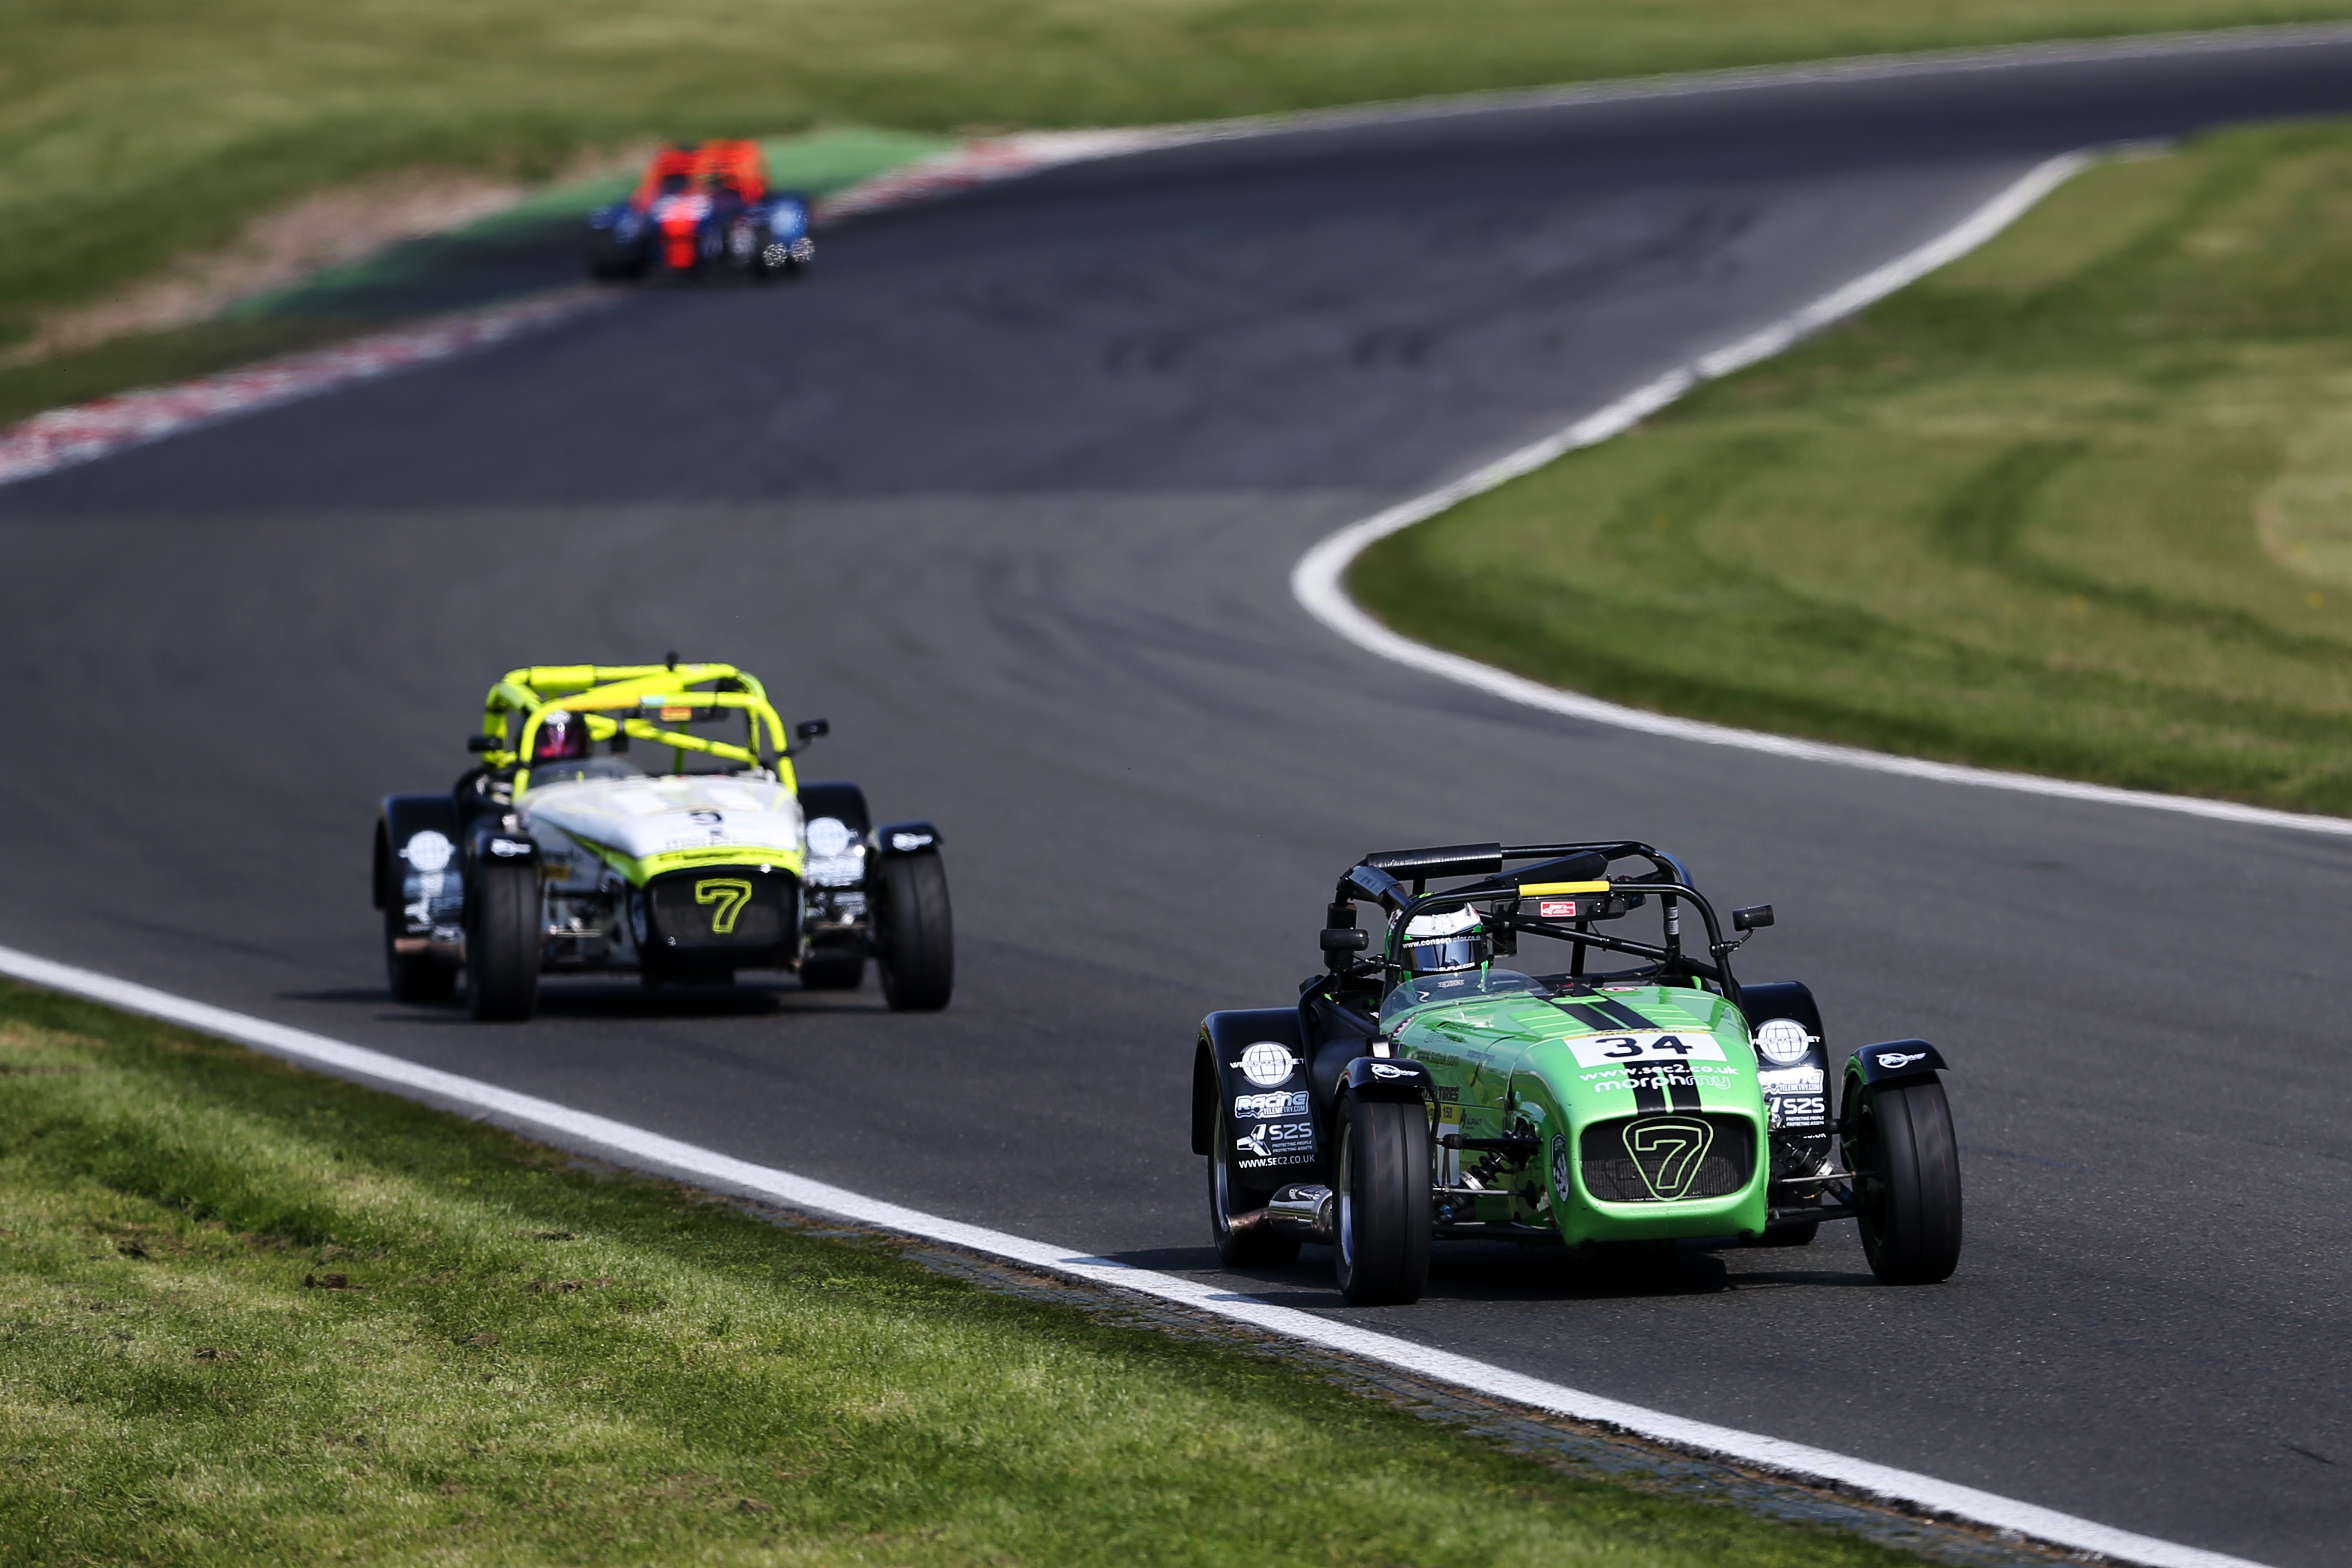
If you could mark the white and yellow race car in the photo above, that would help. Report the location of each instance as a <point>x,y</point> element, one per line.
<point>647,818</point>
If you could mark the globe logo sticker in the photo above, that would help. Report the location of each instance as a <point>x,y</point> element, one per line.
<point>1267,1064</point>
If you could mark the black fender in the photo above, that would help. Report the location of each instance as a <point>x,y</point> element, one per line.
<point>1892,1060</point>
<point>905,838</point>
<point>1219,1085</point>
<point>1793,1107</point>
<point>846,804</point>
<point>1381,1077</point>
<point>493,846</point>
<point>402,818</point>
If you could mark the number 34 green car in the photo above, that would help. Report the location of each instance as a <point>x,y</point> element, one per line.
<point>1433,1084</point>
<point>647,818</point>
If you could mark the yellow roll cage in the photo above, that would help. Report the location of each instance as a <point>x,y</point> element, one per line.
<point>594,690</point>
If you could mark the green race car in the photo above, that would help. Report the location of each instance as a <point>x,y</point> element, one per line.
<point>647,818</point>
<point>1431,1086</point>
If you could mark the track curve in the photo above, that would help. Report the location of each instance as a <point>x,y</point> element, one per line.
<point>1010,493</point>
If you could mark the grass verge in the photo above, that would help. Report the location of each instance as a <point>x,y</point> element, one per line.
<point>138,129</point>
<point>2080,504</point>
<point>251,1315</point>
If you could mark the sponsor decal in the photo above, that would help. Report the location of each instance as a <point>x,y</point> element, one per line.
<point>829,836</point>
<point>507,848</point>
<point>1263,1107</point>
<point>1556,909</point>
<point>1267,1064</point>
<point>1450,1114</point>
<point>1449,1097</point>
<point>1890,1060</point>
<point>1275,1143</point>
<point>903,842</point>
<point>1667,1152</point>
<point>1559,1163</point>
<point>676,715</point>
<point>1783,1041</point>
<point>728,896</point>
<point>1383,1069</point>
<point>428,851</point>
<point>1792,1080</point>
<point>1603,1050</point>
<point>1799,1110</point>
<point>705,818</point>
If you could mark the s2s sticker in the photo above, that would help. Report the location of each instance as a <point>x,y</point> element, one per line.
<point>1616,1050</point>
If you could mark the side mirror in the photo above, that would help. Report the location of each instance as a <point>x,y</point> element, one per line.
<point>1345,939</point>
<point>481,743</point>
<point>1752,919</point>
<point>808,730</point>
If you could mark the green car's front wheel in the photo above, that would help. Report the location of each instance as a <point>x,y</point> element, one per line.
<point>1381,1251</point>
<point>1906,1163</point>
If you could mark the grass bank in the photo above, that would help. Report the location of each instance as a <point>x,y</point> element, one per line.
<point>2080,504</point>
<point>247,1314</point>
<point>138,129</point>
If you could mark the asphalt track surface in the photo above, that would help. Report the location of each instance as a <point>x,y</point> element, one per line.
<point>1010,492</point>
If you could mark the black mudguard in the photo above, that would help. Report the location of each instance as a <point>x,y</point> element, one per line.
<point>1894,1059</point>
<point>403,817</point>
<point>905,838</point>
<point>1795,1110</point>
<point>1272,1114</point>
<point>1379,1077</point>
<point>846,804</point>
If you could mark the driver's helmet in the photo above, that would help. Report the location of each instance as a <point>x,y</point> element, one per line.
<point>563,738</point>
<point>1455,939</point>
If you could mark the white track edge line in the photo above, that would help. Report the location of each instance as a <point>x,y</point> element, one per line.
<point>1319,580</point>
<point>647,1150</point>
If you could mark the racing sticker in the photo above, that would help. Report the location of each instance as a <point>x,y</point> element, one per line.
<point>1267,1064</point>
<point>1265,1107</point>
<point>1613,1051</point>
<point>1560,1165</point>
<point>1275,1144</point>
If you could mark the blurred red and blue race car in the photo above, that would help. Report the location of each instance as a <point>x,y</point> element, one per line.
<point>702,206</point>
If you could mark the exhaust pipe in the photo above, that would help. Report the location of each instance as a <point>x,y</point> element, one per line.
<point>1304,1209</point>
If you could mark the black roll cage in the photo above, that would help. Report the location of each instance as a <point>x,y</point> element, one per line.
<point>1372,881</point>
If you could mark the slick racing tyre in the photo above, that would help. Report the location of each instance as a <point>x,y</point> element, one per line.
<point>1382,1248</point>
<point>414,976</point>
<point>1907,1165</point>
<point>916,951</point>
<point>502,927</point>
<point>833,972</point>
<point>1229,1195</point>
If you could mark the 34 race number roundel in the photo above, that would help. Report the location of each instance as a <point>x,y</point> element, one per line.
<point>1782,1041</point>
<point>1267,1064</point>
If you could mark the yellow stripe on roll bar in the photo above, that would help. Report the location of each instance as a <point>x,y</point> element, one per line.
<point>1546,889</point>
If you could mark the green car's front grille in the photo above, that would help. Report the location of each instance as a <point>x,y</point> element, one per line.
<point>1668,1157</point>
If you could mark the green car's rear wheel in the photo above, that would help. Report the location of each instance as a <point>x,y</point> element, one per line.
<point>1382,1248</point>
<point>502,940</point>
<point>1906,1163</point>
<point>916,952</point>
<point>1230,1194</point>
